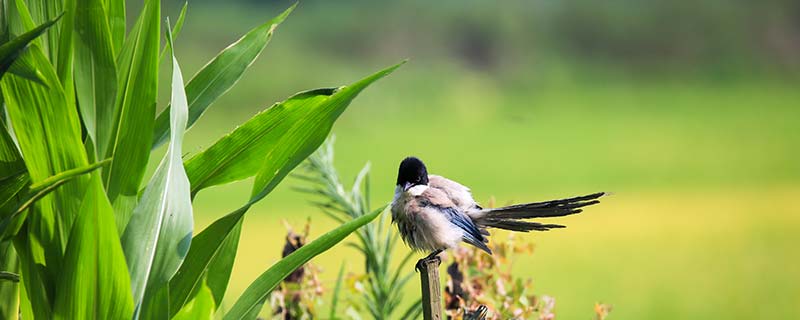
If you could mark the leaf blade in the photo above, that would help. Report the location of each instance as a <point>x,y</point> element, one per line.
<point>134,112</point>
<point>160,230</point>
<point>94,283</point>
<point>221,73</point>
<point>95,72</point>
<point>10,50</point>
<point>251,301</point>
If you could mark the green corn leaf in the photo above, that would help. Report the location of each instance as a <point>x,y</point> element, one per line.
<point>201,306</point>
<point>134,112</point>
<point>95,72</point>
<point>11,221</point>
<point>13,174</point>
<point>24,69</point>
<point>10,50</point>
<point>177,29</point>
<point>250,303</point>
<point>214,249</point>
<point>48,131</point>
<point>268,142</point>
<point>94,283</point>
<point>211,258</point>
<point>219,75</point>
<point>116,22</point>
<point>37,287</point>
<point>9,290</point>
<point>323,116</point>
<point>160,230</point>
<point>66,32</point>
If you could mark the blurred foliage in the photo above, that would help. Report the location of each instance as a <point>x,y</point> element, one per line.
<point>639,36</point>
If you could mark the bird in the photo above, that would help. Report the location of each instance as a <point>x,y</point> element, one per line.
<point>433,213</point>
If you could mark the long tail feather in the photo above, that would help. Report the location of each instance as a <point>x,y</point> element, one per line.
<point>508,217</point>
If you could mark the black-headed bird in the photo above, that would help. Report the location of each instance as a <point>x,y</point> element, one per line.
<point>434,213</point>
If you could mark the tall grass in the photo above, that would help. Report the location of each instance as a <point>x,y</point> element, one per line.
<point>81,238</point>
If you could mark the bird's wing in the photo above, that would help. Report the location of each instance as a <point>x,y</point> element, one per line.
<point>439,200</point>
<point>456,192</point>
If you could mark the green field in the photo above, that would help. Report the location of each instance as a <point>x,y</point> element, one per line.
<point>702,223</point>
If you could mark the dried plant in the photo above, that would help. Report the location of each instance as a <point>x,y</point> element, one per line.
<point>301,291</point>
<point>481,286</point>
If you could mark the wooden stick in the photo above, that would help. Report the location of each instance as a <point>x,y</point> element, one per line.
<point>431,290</point>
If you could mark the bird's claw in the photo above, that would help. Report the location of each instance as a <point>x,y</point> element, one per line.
<point>433,257</point>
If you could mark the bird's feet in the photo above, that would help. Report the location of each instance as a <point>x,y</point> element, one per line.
<point>434,256</point>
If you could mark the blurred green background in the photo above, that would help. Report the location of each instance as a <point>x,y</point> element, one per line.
<point>686,110</point>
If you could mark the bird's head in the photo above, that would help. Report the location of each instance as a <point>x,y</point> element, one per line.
<point>412,173</point>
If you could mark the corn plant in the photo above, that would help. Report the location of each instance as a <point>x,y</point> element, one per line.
<point>83,237</point>
<point>376,241</point>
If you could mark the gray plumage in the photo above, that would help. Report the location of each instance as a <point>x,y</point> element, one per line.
<point>434,213</point>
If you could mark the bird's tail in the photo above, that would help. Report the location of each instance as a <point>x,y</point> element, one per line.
<point>509,218</point>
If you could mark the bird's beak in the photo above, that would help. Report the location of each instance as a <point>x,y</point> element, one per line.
<point>407,186</point>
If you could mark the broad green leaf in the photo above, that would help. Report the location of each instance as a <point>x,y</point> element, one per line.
<point>48,131</point>
<point>94,283</point>
<point>9,290</point>
<point>214,249</point>
<point>10,50</point>
<point>219,75</point>
<point>275,140</point>
<point>134,112</point>
<point>250,303</point>
<point>201,306</point>
<point>95,72</point>
<point>160,230</point>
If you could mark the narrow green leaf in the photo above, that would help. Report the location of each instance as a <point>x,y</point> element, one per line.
<point>177,29</point>
<point>211,258</point>
<point>252,300</point>
<point>179,23</point>
<point>95,72</point>
<point>25,69</point>
<point>9,51</point>
<point>11,220</point>
<point>94,283</point>
<point>11,163</point>
<point>337,290</point>
<point>160,230</point>
<point>116,22</point>
<point>66,31</point>
<point>134,112</point>
<point>201,306</point>
<point>275,140</point>
<point>220,74</point>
